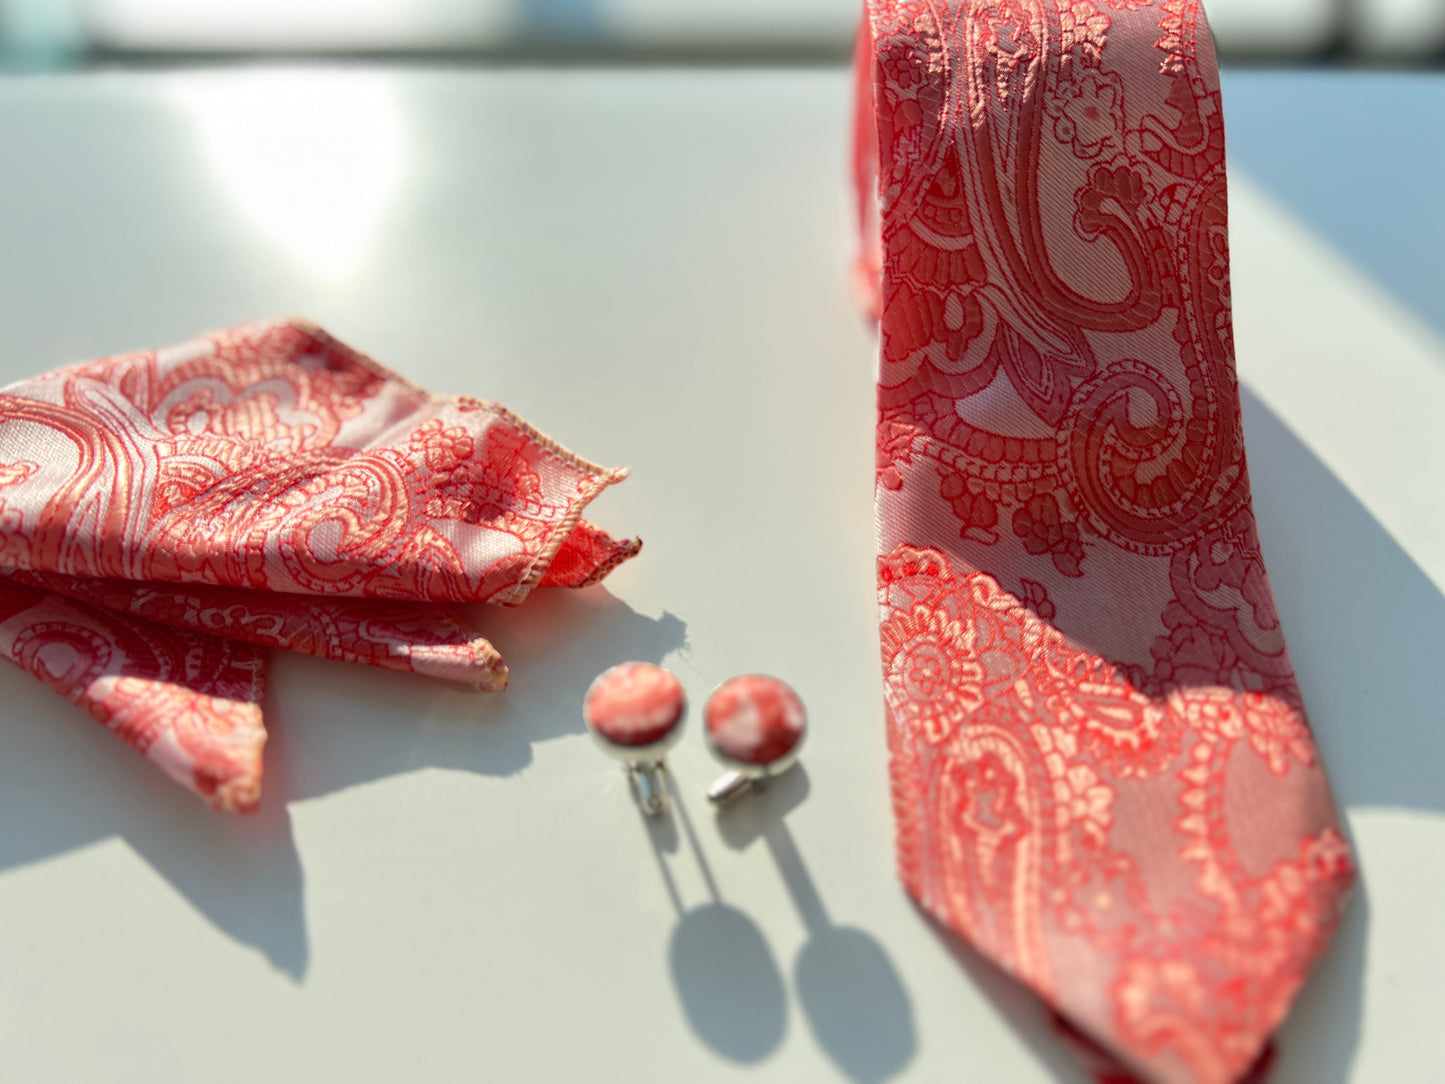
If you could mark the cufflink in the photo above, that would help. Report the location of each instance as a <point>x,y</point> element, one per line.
<point>634,712</point>
<point>754,724</point>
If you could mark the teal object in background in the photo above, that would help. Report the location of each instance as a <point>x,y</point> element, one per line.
<point>40,34</point>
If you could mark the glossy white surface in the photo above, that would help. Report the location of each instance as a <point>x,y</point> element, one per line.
<point>445,886</point>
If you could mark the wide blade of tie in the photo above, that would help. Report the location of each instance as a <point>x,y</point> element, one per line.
<point>1102,773</point>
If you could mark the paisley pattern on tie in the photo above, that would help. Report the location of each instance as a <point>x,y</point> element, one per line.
<point>268,485</point>
<point>1102,772</point>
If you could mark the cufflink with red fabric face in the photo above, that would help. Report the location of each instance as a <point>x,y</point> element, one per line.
<point>634,712</point>
<point>754,724</point>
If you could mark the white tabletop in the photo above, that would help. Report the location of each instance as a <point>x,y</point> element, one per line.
<point>650,266</point>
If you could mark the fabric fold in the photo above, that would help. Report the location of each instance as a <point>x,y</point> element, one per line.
<point>188,703</point>
<point>270,486</point>
<point>422,637</point>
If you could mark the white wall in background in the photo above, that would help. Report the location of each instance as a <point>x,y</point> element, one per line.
<point>259,25</point>
<point>1379,28</point>
<point>1280,26</point>
<point>1400,27</point>
<point>1273,26</point>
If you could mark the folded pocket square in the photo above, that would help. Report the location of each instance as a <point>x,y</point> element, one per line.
<point>167,515</point>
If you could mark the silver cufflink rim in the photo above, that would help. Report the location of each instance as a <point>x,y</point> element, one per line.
<point>645,764</point>
<point>744,777</point>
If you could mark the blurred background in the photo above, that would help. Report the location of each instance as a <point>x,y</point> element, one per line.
<point>58,33</point>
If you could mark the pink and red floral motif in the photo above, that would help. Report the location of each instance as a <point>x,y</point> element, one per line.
<point>1043,528</point>
<point>634,704</point>
<point>269,486</point>
<point>1101,770</point>
<point>1013,752</point>
<point>755,719</point>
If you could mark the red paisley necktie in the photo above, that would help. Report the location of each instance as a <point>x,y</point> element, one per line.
<point>166,516</point>
<point>1102,774</point>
